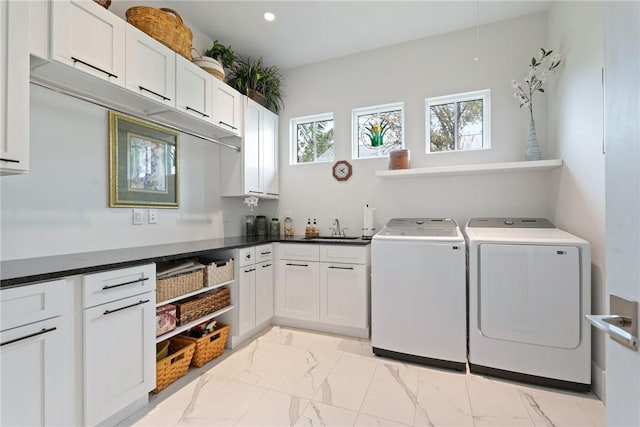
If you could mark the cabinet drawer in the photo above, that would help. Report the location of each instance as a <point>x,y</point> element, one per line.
<point>246,256</point>
<point>31,303</point>
<point>264,253</point>
<point>344,254</point>
<point>301,252</point>
<point>113,285</point>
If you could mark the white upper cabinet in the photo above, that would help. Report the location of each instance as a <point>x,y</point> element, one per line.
<point>253,171</point>
<point>14,87</point>
<point>88,37</point>
<point>193,90</point>
<point>150,67</point>
<point>227,107</point>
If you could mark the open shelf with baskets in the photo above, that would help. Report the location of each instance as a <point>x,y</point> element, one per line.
<point>199,291</point>
<point>190,325</point>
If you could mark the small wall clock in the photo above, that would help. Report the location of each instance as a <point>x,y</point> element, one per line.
<point>342,170</point>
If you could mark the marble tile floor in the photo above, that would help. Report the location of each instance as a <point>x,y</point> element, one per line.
<point>292,377</point>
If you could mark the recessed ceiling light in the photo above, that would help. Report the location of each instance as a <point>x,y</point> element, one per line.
<point>269,16</point>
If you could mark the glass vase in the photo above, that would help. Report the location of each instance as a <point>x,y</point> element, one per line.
<point>533,148</point>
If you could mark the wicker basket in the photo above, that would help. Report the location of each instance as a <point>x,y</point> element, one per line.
<point>209,346</point>
<point>179,284</point>
<point>218,272</point>
<point>200,305</point>
<point>210,65</point>
<point>164,25</point>
<point>175,365</point>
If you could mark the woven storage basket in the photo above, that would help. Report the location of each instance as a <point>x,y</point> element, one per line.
<point>200,305</point>
<point>164,25</point>
<point>175,365</point>
<point>209,346</point>
<point>179,284</point>
<point>210,65</point>
<point>218,272</point>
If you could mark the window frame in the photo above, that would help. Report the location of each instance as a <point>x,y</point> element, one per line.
<point>393,106</point>
<point>484,94</point>
<point>293,136</point>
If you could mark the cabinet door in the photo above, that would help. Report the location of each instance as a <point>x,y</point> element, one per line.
<point>246,299</point>
<point>298,290</point>
<point>264,292</point>
<point>251,148</point>
<point>14,87</point>
<point>33,377</point>
<point>151,67</point>
<point>88,37</point>
<point>119,366</point>
<point>193,89</point>
<point>227,107</point>
<point>343,294</point>
<point>270,152</point>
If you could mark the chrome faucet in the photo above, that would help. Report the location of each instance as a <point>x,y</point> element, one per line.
<point>337,231</point>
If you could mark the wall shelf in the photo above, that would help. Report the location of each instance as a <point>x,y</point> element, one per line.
<point>475,169</point>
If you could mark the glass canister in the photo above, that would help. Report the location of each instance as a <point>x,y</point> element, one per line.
<point>249,226</point>
<point>275,228</point>
<point>288,227</point>
<point>261,226</point>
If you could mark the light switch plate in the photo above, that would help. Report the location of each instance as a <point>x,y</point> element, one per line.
<point>137,217</point>
<point>153,216</point>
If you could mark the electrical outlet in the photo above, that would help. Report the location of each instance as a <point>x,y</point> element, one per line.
<point>137,216</point>
<point>153,216</point>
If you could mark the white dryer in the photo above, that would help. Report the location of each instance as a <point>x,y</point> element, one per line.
<point>418,292</point>
<point>529,289</point>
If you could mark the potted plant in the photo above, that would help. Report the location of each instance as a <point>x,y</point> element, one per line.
<point>216,59</point>
<point>258,82</point>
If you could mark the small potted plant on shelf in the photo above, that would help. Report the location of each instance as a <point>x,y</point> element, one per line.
<point>216,59</point>
<point>258,82</point>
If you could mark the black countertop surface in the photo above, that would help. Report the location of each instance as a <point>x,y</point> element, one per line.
<point>23,271</point>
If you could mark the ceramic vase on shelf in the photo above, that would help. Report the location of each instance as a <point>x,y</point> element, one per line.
<point>533,148</point>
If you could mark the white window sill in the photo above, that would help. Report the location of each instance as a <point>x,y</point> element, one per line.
<point>476,169</point>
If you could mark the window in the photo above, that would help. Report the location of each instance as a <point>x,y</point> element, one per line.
<point>377,130</point>
<point>459,122</point>
<point>312,139</point>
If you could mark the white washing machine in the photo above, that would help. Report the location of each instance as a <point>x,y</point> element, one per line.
<point>418,292</point>
<point>529,289</point>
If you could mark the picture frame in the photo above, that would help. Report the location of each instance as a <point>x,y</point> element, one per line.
<point>143,163</point>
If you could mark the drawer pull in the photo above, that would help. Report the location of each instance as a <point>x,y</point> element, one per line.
<point>250,270</point>
<point>94,67</point>
<point>267,265</point>
<point>265,253</point>
<point>298,265</point>
<point>125,307</point>
<point>43,331</point>
<point>164,98</point>
<point>196,111</point>
<point>227,124</point>
<point>341,268</point>
<point>104,288</point>
<point>10,160</point>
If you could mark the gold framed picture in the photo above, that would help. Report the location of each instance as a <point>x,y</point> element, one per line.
<point>143,163</point>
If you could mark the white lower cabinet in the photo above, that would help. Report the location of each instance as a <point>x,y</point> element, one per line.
<point>298,290</point>
<point>253,295</point>
<point>324,284</point>
<point>32,356</point>
<point>343,294</point>
<point>118,342</point>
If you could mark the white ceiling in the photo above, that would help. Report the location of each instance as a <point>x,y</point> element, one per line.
<point>307,31</point>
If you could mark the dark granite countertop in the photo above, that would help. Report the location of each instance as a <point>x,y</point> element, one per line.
<point>24,271</point>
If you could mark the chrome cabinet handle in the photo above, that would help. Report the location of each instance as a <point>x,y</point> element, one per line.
<point>106,312</point>
<point>612,324</point>
<point>104,288</point>
<point>43,331</point>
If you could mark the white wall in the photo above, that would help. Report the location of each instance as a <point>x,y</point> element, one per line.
<point>410,72</point>
<point>61,205</point>
<point>575,111</point>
